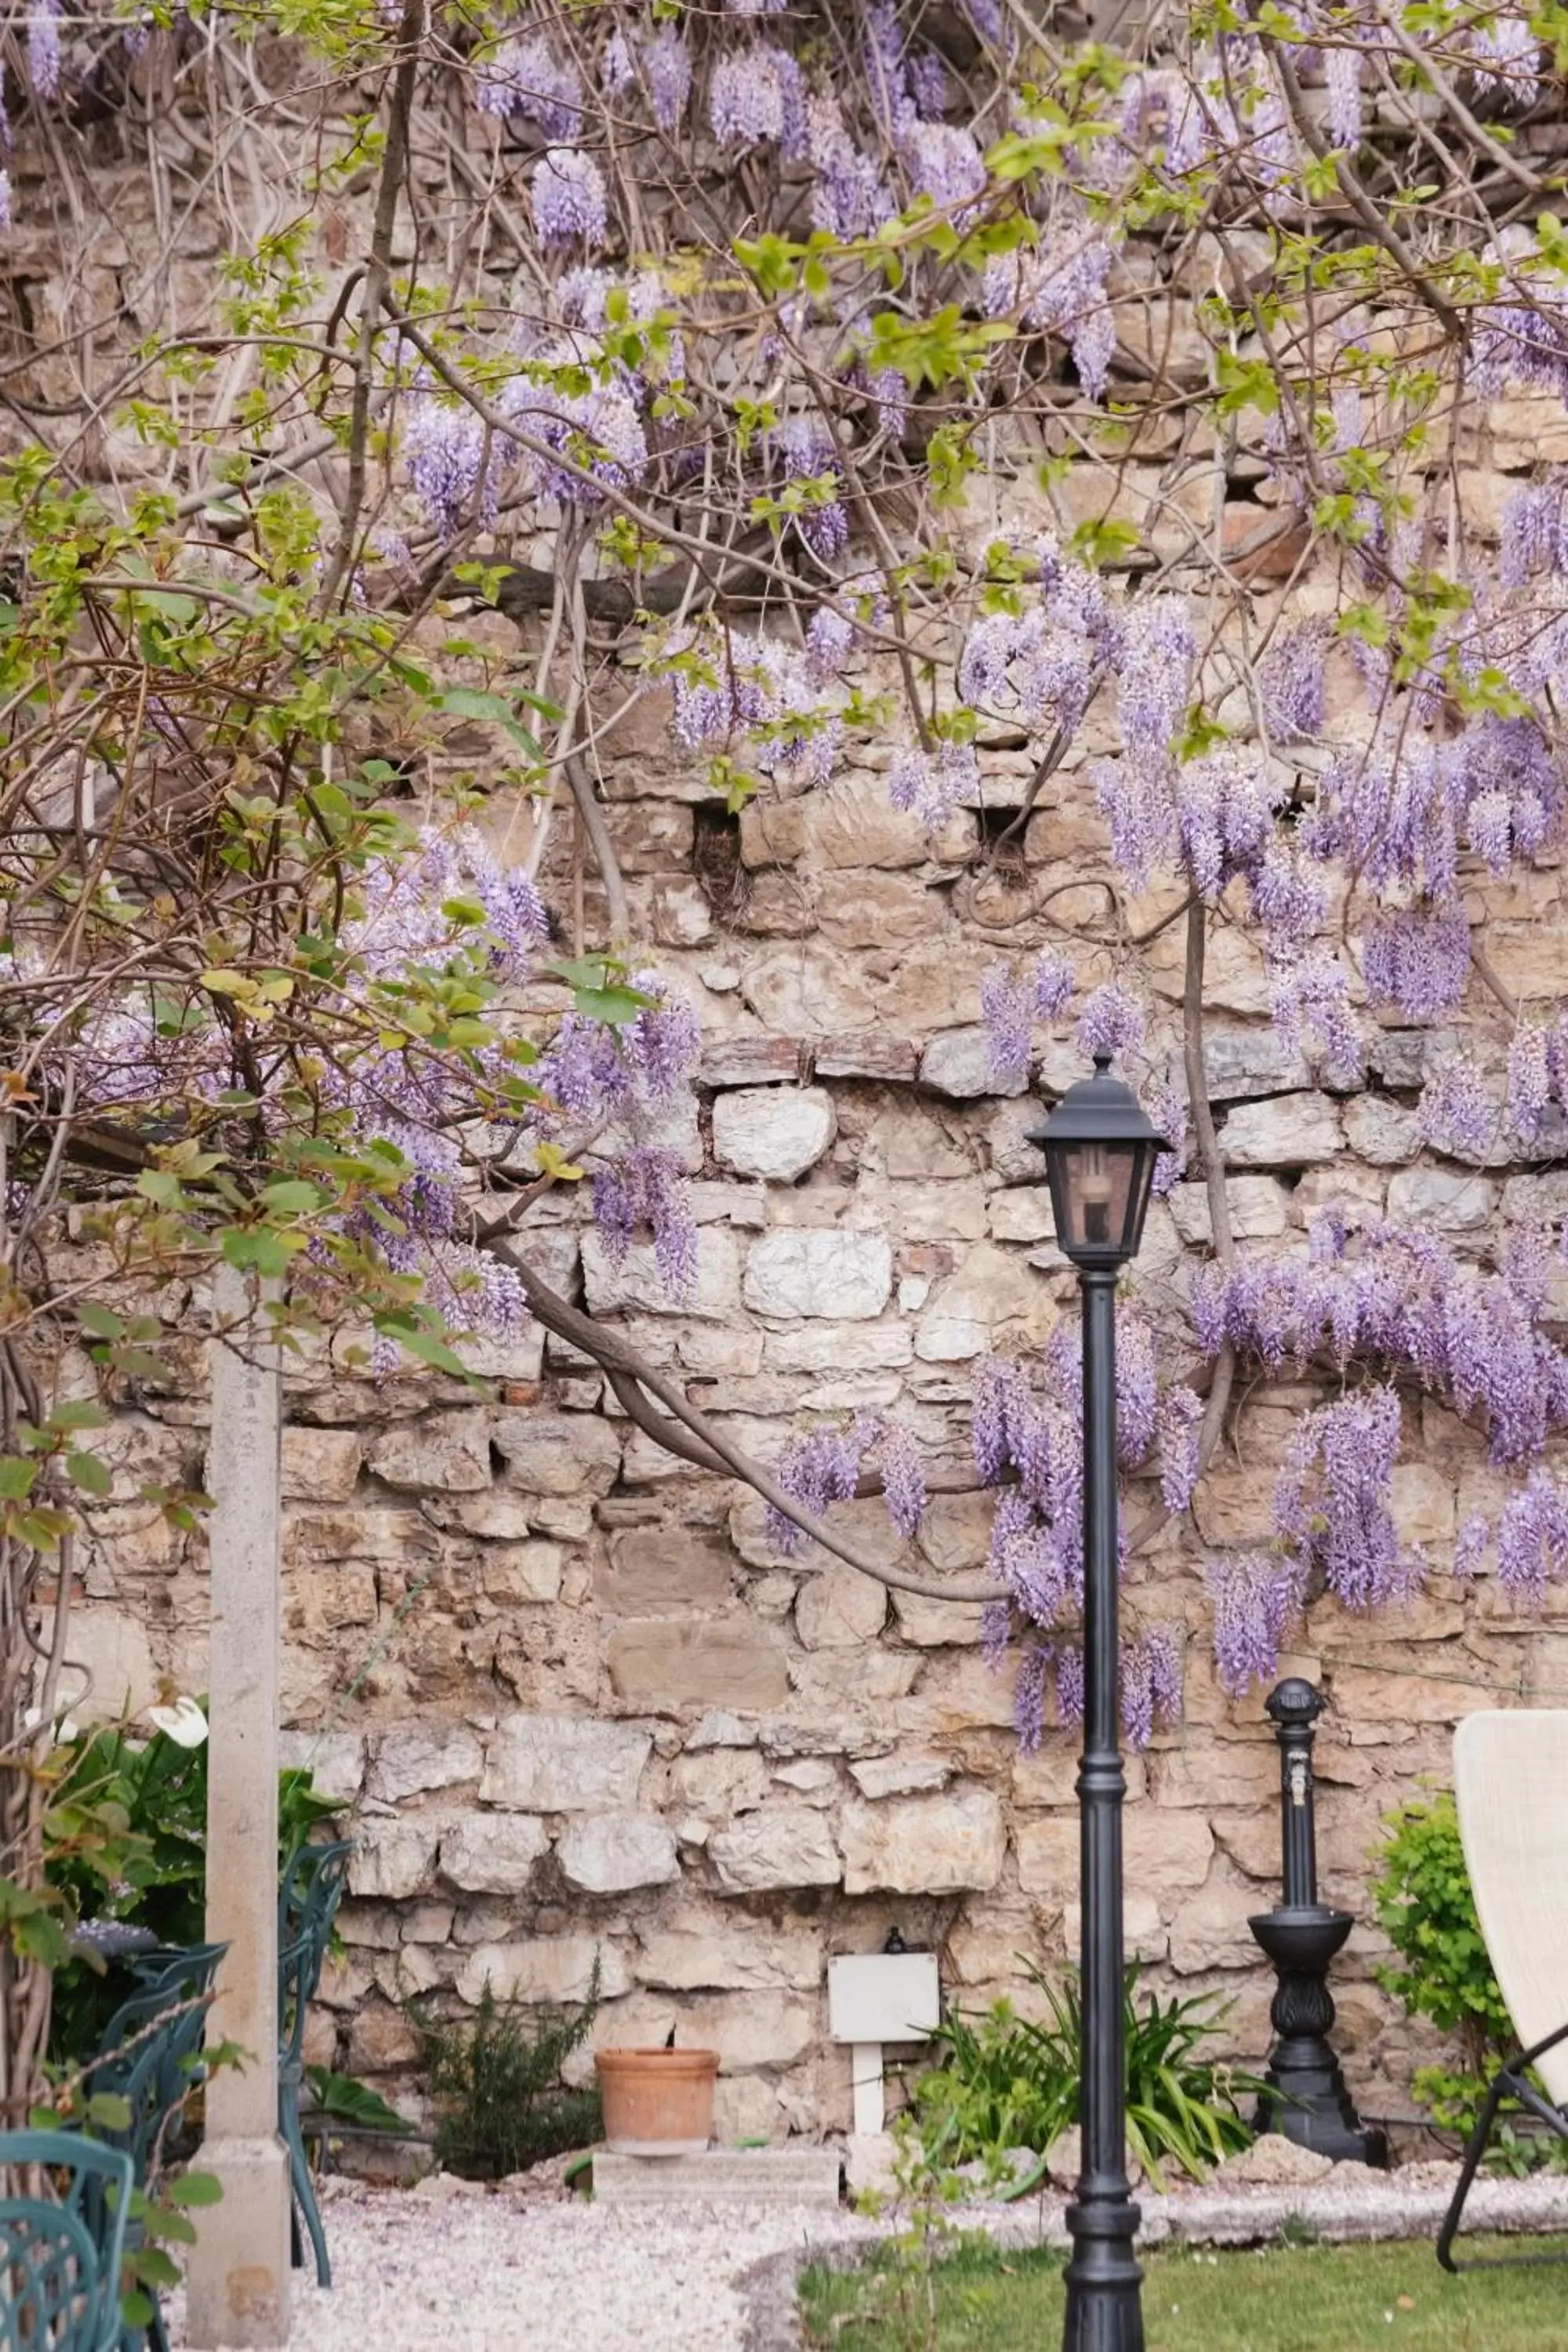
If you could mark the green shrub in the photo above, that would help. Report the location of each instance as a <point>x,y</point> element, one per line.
<point>496,2077</point>
<point>1426,1910</point>
<point>1004,2082</point>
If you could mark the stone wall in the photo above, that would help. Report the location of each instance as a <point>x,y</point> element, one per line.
<point>582,1709</point>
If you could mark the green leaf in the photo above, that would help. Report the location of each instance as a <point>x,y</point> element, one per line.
<point>470,702</point>
<point>16,1478</point>
<point>291,1196</point>
<point>99,1320</point>
<point>252,1249</point>
<point>196,2188</point>
<point>89,1473</point>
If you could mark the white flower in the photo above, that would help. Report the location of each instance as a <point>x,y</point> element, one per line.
<point>183,1722</point>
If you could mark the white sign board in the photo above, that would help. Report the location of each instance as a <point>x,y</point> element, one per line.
<point>883,1997</point>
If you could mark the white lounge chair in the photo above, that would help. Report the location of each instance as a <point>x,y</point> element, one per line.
<point>1510,1784</point>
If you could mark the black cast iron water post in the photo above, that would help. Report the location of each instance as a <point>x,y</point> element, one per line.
<point>1307,2098</point>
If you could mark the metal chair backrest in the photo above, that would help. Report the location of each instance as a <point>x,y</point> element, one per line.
<point>60,2256</point>
<point>310,1890</point>
<point>307,1899</point>
<point>151,2052</point>
<point>1509,1771</point>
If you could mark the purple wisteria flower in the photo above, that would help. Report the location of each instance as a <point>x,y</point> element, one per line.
<point>803,449</point>
<point>643,1191</point>
<point>1110,1025</point>
<point>1254,1598</point>
<point>1150,1684</point>
<point>1456,1113</point>
<point>524,77</point>
<point>820,1466</point>
<point>759,94</point>
<point>44,47</point>
<point>1011,1002</point>
<point>1419,960</point>
<point>443,449</point>
<point>1532,1539</point>
<point>570,200</point>
<point>903,1476</point>
<point>930,784</point>
<point>1290,682</point>
<point>1029,1695</point>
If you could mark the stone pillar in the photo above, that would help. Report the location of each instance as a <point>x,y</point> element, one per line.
<point>238,2269</point>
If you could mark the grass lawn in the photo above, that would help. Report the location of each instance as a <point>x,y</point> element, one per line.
<point>1300,2299</point>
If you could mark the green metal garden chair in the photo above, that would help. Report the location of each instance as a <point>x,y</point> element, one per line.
<point>308,1893</point>
<point>150,2057</point>
<point>60,2256</point>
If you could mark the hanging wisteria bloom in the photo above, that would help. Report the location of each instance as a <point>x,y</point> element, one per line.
<point>930,784</point>
<point>1013,1002</point>
<point>1110,1025</point>
<point>570,201</point>
<point>1254,1599</point>
<point>443,451</point>
<point>803,450</point>
<point>523,76</point>
<point>759,94</point>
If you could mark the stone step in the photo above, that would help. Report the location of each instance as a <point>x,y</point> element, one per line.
<point>728,2176</point>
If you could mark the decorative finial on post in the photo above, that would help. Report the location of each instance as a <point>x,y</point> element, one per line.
<point>1307,2099</point>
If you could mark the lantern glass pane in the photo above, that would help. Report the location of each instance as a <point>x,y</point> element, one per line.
<point>1098,1192</point>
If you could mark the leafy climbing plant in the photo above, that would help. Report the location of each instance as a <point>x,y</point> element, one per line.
<point>1441,1971</point>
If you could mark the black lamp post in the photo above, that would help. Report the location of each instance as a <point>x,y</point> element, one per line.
<point>1099,1160</point>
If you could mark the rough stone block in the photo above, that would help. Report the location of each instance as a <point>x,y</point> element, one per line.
<point>902,1774</point>
<point>562,1453</point>
<point>1166,1853</point>
<point>720,2176</point>
<point>923,1845</point>
<point>523,1573</point>
<point>747,1061</point>
<point>989,1302</point>
<point>492,1854</point>
<point>777,1846</point>
<point>848,1276</point>
<point>667,1567</point>
<point>665,1664</point>
<point>320,1466</point>
<point>1382,1132</point>
<point>892,1059</point>
<point>1442,1199</point>
<point>718,1956</point>
<point>549,1968</point>
<point>775,1132</point>
<point>393,1857</point>
<point>375,1534</point>
<point>839,1608</point>
<point>1285,1131</point>
<point>958,1064</point>
<point>635,1281</point>
<point>446,1453</point>
<point>412,1759</point>
<point>609,1853</point>
<point>334,1759</point>
<point>937,1624</point>
<point>1258,1209</point>
<point>562,1764</point>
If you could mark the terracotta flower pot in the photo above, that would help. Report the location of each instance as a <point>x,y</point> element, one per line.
<point>657,2102</point>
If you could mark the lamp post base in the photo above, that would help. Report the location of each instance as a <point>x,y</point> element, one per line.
<point>1104,2282</point>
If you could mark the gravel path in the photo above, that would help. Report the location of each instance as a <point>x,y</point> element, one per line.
<point>479,2271</point>
<point>471,2270</point>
